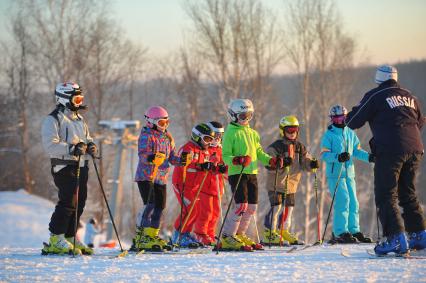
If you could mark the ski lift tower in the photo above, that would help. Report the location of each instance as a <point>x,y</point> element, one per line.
<point>122,139</point>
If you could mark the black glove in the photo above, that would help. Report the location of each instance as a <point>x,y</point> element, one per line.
<point>371,158</point>
<point>207,166</point>
<point>314,164</point>
<point>79,149</point>
<point>344,156</point>
<point>222,168</point>
<point>150,158</point>
<point>287,161</point>
<point>92,149</point>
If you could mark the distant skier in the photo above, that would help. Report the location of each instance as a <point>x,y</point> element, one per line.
<point>241,147</point>
<point>209,206</point>
<point>200,168</point>
<point>296,158</point>
<point>65,137</point>
<point>91,231</point>
<point>395,119</point>
<point>339,146</point>
<point>156,150</point>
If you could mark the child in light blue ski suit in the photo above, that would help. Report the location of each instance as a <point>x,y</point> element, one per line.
<point>339,146</point>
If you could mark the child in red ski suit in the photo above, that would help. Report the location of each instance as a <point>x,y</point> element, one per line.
<point>210,197</point>
<point>197,175</point>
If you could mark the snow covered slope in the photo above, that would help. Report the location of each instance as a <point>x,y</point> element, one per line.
<point>24,221</point>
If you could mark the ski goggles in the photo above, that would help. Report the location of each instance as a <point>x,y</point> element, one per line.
<point>77,100</point>
<point>338,119</point>
<point>291,129</point>
<point>207,139</point>
<point>162,123</point>
<point>245,116</point>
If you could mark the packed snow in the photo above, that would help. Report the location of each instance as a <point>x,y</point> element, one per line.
<point>25,220</point>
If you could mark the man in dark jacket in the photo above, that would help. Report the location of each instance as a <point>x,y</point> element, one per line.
<point>395,119</point>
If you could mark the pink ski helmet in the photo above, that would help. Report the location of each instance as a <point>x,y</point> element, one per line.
<point>158,116</point>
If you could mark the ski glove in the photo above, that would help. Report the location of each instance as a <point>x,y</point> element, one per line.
<point>185,158</point>
<point>156,158</point>
<point>79,149</point>
<point>242,160</point>
<point>371,158</point>
<point>314,164</point>
<point>92,149</point>
<point>343,157</point>
<point>209,166</point>
<point>276,163</point>
<point>222,168</point>
<point>288,161</point>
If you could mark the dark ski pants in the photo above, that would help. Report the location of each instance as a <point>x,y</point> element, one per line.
<point>394,177</point>
<point>63,218</point>
<point>154,197</point>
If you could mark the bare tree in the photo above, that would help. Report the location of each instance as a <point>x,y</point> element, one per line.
<point>320,54</point>
<point>238,44</point>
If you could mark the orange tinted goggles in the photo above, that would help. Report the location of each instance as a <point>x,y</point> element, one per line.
<point>163,122</point>
<point>77,100</point>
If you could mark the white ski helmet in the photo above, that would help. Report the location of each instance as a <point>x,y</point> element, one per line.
<point>384,73</point>
<point>337,110</point>
<point>69,94</point>
<point>240,110</point>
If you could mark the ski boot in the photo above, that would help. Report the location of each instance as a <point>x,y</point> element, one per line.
<point>232,243</point>
<point>417,240</point>
<point>249,242</point>
<point>59,245</point>
<point>151,241</point>
<point>362,238</point>
<point>136,240</point>
<point>79,245</point>
<point>397,244</point>
<point>344,238</point>
<point>204,239</point>
<point>273,238</point>
<point>187,241</point>
<point>291,238</point>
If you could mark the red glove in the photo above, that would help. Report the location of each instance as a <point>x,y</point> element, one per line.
<point>276,162</point>
<point>241,160</point>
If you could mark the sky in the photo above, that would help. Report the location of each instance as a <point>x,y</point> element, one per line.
<point>387,31</point>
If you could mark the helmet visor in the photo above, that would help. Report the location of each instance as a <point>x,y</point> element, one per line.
<point>245,116</point>
<point>338,119</point>
<point>77,100</point>
<point>291,129</point>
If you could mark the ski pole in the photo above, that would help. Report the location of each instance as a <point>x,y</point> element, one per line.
<point>219,197</point>
<point>123,252</point>
<point>229,207</point>
<point>255,226</point>
<point>191,208</point>
<point>287,170</point>
<point>159,158</point>
<point>182,193</point>
<point>288,153</point>
<point>77,190</point>
<point>273,206</point>
<point>316,204</point>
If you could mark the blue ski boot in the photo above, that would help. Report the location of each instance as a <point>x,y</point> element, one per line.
<point>397,244</point>
<point>187,241</point>
<point>417,241</point>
